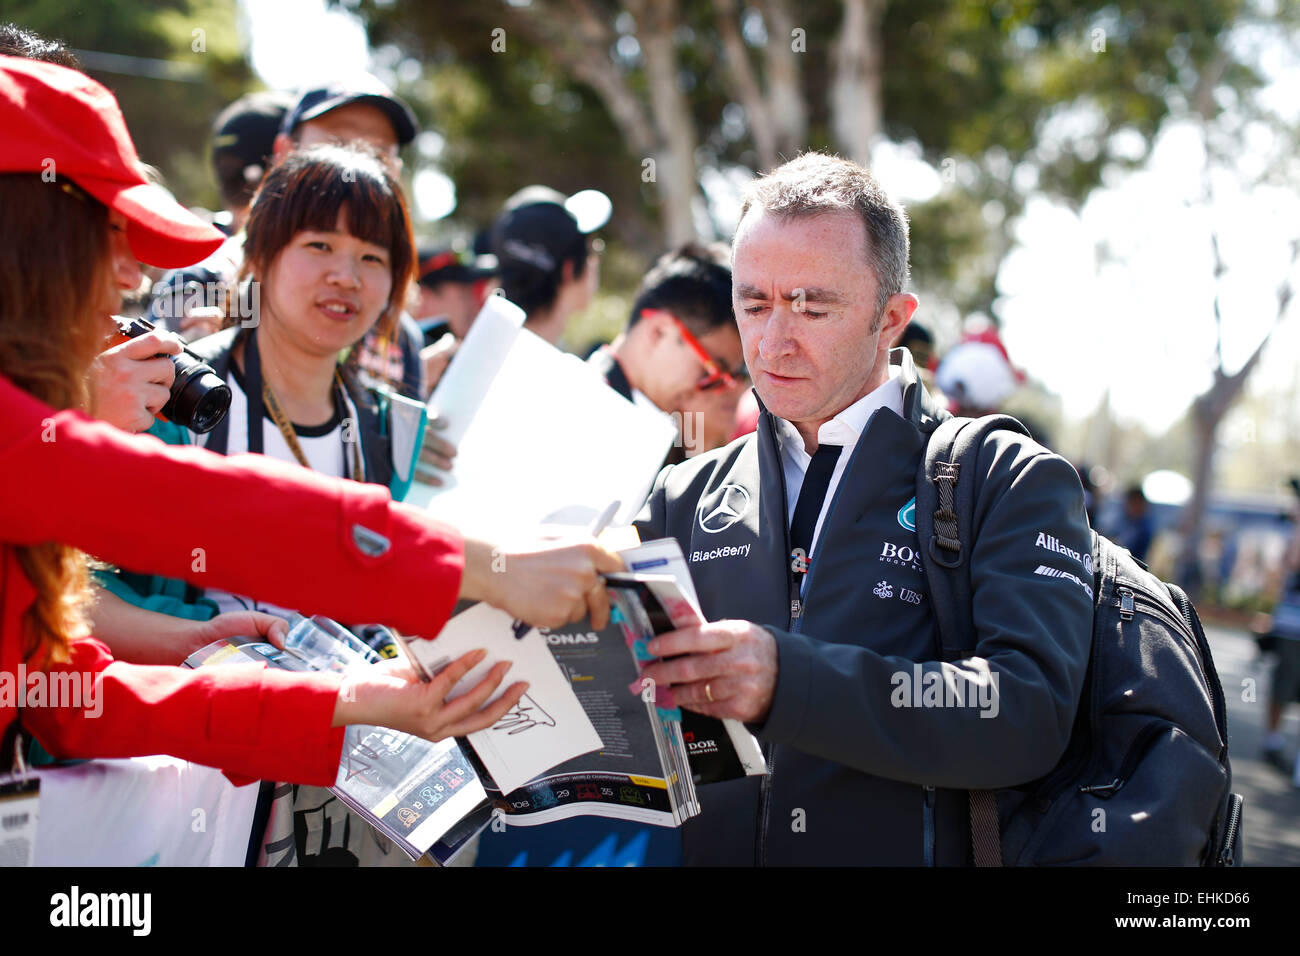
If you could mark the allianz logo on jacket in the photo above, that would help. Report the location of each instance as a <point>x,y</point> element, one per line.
<point>1049,543</point>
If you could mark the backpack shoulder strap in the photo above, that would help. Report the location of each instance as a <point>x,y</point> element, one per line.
<point>945,515</point>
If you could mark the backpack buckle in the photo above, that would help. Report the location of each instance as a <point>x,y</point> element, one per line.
<point>943,559</point>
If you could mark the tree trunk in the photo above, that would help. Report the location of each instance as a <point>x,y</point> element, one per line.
<point>785,99</point>
<point>744,85</point>
<point>1208,411</point>
<point>1205,426</point>
<point>582,41</point>
<point>675,163</point>
<point>856,93</point>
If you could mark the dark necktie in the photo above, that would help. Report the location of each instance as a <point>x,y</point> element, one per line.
<point>808,507</point>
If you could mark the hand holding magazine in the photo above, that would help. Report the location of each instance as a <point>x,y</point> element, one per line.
<point>641,762</point>
<point>417,793</point>
<point>578,743</point>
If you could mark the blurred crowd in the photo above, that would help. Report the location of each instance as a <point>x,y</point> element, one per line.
<point>357,319</point>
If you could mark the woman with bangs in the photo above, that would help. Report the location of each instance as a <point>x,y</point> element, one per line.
<point>74,486</point>
<point>328,257</point>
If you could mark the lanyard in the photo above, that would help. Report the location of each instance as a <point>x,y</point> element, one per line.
<point>259,391</point>
<point>13,743</point>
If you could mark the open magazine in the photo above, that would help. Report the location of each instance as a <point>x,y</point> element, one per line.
<point>647,760</point>
<point>424,796</point>
<point>579,743</point>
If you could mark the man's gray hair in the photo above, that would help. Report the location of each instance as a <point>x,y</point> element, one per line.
<point>818,183</point>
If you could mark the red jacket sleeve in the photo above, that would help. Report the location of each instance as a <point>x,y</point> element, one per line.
<point>245,523</point>
<point>252,721</point>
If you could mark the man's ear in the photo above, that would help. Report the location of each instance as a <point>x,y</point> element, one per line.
<point>657,324</point>
<point>281,148</point>
<point>898,312</point>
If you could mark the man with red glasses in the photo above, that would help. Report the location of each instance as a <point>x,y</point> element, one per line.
<point>681,351</point>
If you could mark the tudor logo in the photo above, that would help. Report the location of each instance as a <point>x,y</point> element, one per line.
<point>729,509</point>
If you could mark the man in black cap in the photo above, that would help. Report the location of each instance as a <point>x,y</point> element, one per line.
<point>452,287</point>
<point>549,266</point>
<point>342,111</point>
<point>193,300</point>
<point>360,107</point>
<point>243,140</point>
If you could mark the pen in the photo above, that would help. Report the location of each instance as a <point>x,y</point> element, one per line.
<point>602,520</point>
<point>416,664</point>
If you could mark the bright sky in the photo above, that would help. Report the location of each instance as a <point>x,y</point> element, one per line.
<point>1138,320</point>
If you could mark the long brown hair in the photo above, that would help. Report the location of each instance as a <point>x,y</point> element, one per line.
<point>55,270</point>
<point>307,190</point>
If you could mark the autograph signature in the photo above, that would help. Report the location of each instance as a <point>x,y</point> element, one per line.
<point>525,715</point>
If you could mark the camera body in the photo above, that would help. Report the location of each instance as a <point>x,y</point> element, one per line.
<point>199,399</point>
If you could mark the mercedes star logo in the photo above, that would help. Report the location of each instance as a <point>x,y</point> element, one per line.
<point>730,509</point>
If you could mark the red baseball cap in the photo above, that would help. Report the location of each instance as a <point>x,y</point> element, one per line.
<point>60,122</point>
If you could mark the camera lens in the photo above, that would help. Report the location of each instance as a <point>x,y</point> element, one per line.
<point>199,399</point>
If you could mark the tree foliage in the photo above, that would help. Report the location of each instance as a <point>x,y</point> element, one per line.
<point>1019,97</point>
<point>178,79</point>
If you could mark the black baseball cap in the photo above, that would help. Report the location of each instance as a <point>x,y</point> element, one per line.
<point>540,225</point>
<point>446,264</point>
<point>362,88</point>
<point>243,137</point>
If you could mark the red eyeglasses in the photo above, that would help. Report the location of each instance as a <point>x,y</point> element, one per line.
<point>716,375</point>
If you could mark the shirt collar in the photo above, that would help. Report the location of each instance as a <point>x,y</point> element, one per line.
<point>846,427</point>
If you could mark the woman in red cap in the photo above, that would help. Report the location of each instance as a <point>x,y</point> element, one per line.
<point>76,213</point>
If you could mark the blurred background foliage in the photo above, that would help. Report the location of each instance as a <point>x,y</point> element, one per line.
<point>670,106</point>
<point>170,80</point>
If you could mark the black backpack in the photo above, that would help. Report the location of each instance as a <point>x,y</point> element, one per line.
<point>1149,746</point>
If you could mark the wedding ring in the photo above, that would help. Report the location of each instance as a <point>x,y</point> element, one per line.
<point>708,692</point>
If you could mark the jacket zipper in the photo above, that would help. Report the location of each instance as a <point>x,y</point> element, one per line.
<point>1226,857</point>
<point>927,826</point>
<point>795,607</point>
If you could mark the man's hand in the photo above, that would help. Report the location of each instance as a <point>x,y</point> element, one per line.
<point>723,669</point>
<point>547,583</point>
<point>388,695</point>
<point>436,455</point>
<point>435,358</point>
<point>131,382</point>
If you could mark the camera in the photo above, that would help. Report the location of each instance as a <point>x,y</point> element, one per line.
<point>199,399</point>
